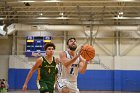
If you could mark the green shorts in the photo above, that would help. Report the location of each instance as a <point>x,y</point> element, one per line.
<point>44,86</point>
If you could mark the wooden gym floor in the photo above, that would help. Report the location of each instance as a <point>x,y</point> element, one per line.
<point>36,91</point>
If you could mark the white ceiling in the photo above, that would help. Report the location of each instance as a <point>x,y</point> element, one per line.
<point>75,12</point>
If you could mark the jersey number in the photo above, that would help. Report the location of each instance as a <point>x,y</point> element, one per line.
<point>72,70</point>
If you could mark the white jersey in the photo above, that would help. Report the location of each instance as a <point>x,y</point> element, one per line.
<point>71,72</point>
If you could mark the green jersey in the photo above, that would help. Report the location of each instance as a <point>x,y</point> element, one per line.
<point>47,74</point>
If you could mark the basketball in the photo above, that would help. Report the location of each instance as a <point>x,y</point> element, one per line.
<point>88,52</point>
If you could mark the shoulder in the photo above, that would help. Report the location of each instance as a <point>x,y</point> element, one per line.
<point>38,63</point>
<point>40,59</point>
<point>62,53</point>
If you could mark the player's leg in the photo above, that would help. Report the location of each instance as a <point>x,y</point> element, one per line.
<point>73,87</point>
<point>65,90</point>
<point>62,87</point>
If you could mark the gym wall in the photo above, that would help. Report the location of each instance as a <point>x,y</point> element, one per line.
<point>112,69</point>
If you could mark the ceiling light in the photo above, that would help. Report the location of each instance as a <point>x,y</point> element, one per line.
<point>41,14</point>
<point>52,1</point>
<point>49,18</point>
<point>1,18</point>
<point>62,17</point>
<point>42,18</point>
<point>61,14</point>
<point>120,14</point>
<point>125,0</point>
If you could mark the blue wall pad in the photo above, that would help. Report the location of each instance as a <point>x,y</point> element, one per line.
<point>114,80</point>
<point>96,80</point>
<point>16,79</point>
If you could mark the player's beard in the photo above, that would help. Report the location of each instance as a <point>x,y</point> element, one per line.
<point>73,48</point>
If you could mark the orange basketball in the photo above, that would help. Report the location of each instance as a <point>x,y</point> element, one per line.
<point>88,52</point>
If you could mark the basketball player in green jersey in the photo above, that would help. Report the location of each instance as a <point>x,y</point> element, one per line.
<point>46,66</point>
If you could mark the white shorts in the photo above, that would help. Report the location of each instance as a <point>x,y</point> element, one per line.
<point>65,83</point>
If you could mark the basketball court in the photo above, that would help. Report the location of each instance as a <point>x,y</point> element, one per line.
<point>17,91</point>
<point>110,27</point>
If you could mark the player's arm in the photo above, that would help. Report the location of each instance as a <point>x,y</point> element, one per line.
<point>57,60</point>
<point>65,61</point>
<point>37,64</point>
<point>82,65</point>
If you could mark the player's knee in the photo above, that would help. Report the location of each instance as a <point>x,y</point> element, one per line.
<point>65,90</point>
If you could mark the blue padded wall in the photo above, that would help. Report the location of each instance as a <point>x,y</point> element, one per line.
<point>118,80</point>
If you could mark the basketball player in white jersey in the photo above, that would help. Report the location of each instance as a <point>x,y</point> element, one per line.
<point>71,63</point>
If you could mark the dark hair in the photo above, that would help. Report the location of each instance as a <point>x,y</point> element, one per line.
<point>49,44</point>
<point>70,39</point>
